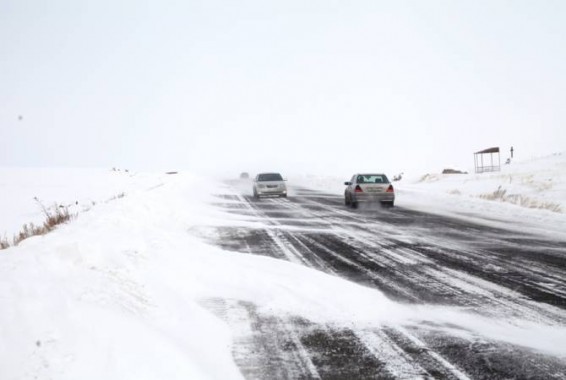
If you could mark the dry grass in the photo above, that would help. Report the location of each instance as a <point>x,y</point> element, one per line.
<point>120,196</point>
<point>53,217</point>
<point>4,243</point>
<point>497,195</point>
<point>117,196</point>
<point>521,200</point>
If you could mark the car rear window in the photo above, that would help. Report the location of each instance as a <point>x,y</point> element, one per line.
<point>270,177</point>
<point>372,178</point>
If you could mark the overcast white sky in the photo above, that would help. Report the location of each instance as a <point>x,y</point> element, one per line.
<point>296,86</point>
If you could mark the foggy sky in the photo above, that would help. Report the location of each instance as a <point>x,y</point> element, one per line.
<point>329,87</point>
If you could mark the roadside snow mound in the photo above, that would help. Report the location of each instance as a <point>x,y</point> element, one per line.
<point>538,184</point>
<point>527,196</point>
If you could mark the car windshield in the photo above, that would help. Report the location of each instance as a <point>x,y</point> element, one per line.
<point>372,178</point>
<point>270,177</point>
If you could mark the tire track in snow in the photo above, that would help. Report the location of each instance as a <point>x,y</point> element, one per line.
<point>386,348</point>
<point>412,256</point>
<point>264,347</point>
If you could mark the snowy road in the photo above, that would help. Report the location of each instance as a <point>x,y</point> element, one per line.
<point>414,258</point>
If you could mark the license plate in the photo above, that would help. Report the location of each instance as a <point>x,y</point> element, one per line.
<point>373,190</point>
<point>272,186</point>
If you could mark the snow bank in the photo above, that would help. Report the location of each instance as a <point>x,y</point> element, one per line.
<point>89,301</point>
<point>529,195</point>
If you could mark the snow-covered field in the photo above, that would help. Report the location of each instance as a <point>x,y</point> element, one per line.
<point>118,292</point>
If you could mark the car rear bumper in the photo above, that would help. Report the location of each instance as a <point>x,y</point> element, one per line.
<point>381,197</point>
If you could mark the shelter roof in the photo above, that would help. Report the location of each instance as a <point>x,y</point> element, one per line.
<point>489,150</point>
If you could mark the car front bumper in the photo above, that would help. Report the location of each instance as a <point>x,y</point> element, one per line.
<point>271,191</point>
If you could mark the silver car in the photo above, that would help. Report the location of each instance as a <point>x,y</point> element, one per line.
<point>269,184</point>
<point>369,188</point>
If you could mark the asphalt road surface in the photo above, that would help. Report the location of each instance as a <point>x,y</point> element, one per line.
<point>413,258</point>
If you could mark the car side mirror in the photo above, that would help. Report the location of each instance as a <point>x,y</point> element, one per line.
<point>347,183</point>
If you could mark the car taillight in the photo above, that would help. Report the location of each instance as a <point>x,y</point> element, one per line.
<point>390,189</point>
<point>358,189</point>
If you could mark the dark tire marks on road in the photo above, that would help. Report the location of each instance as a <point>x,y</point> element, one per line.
<point>412,257</point>
<point>271,347</point>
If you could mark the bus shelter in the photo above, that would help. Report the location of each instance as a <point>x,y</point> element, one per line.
<point>487,160</point>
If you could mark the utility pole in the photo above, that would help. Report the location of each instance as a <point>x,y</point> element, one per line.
<point>511,152</point>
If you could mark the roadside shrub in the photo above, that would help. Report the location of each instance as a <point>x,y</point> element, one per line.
<point>57,215</point>
<point>117,196</point>
<point>521,200</point>
<point>4,243</point>
<point>53,217</point>
<point>498,194</point>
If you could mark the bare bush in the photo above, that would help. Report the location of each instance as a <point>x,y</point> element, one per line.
<point>53,217</point>
<point>57,215</point>
<point>498,194</point>
<point>4,243</point>
<point>117,196</point>
<point>521,200</point>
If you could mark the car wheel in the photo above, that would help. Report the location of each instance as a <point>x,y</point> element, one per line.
<point>256,195</point>
<point>283,195</point>
<point>346,200</point>
<point>354,204</point>
<point>388,204</point>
